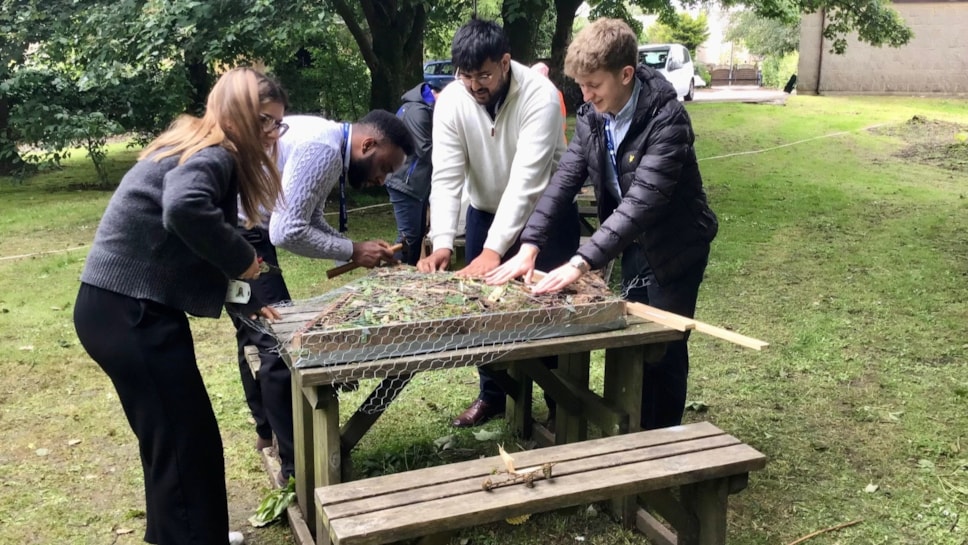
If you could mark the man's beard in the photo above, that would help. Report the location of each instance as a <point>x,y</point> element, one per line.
<point>359,171</point>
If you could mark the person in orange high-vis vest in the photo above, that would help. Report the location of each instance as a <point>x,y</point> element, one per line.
<point>542,69</point>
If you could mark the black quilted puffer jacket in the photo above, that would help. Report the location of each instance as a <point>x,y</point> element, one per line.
<point>663,212</point>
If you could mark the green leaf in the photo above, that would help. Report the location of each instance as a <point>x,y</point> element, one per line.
<point>274,505</point>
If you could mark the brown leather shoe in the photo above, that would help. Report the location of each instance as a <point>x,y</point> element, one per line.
<point>478,413</point>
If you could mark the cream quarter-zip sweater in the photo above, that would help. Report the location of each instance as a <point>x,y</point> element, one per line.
<point>503,163</point>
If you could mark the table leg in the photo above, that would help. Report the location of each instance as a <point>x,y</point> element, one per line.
<point>707,502</point>
<point>302,440</point>
<point>518,407</point>
<point>328,459</point>
<point>571,428</point>
<point>623,387</point>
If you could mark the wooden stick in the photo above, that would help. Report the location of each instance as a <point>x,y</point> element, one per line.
<point>825,530</point>
<point>681,323</point>
<point>659,316</point>
<point>731,336</point>
<point>347,267</point>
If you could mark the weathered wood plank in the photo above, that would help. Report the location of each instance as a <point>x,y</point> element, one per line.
<point>396,482</point>
<point>413,520</point>
<point>420,490</point>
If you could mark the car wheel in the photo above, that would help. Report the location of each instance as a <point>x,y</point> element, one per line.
<point>692,90</point>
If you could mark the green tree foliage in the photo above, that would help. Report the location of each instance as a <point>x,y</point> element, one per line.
<point>131,65</point>
<point>762,36</point>
<point>684,29</point>
<point>24,24</point>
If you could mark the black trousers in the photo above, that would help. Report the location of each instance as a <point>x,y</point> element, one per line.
<point>664,383</point>
<point>559,249</point>
<point>147,351</point>
<point>270,395</point>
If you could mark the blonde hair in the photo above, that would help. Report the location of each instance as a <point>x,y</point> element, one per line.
<point>605,44</point>
<point>232,120</point>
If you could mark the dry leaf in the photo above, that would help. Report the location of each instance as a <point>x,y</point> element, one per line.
<point>508,460</point>
<point>518,520</point>
<point>123,531</point>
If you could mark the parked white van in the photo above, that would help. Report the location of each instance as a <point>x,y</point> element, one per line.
<point>675,63</point>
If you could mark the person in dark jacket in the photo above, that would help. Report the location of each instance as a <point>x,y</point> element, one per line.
<point>634,141</point>
<point>409,187</point>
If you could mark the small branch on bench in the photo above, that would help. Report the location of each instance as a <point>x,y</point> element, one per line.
<point>825,530</point>
<point>526,476</point>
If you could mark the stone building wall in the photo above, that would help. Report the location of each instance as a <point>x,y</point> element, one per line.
<point>934,62</point>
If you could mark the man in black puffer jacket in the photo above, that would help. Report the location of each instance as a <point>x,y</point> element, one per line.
<point>653,212</point>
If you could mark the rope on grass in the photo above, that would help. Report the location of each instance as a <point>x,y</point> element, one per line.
<point>22,256</point>
<point>825,530</point>
<point>361,208</point>
<point>789,144</point>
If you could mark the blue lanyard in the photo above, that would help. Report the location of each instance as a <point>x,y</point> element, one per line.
<point>343,215</point>
<point>610,145</point>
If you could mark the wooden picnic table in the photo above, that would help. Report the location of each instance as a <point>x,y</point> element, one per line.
<point>324,445</point>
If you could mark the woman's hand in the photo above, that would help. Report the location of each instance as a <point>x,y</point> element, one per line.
<point>557,280</point>
<point>522,264</point>
<point>268,313</point>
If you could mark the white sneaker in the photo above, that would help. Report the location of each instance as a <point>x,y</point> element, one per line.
<point>236,538</point>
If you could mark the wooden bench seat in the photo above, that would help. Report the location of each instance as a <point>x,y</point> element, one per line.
<point>685,473</point>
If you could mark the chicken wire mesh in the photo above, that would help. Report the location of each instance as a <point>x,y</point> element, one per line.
<point>395,322</point>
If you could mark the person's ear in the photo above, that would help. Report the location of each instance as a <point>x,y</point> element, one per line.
<point>368,144</point>
<point>628,73</point>
<point>506,62</point>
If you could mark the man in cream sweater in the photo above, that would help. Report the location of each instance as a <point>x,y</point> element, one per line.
<point>497,135</point>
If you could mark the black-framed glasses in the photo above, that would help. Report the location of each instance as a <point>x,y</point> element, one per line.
<point>270,124</point>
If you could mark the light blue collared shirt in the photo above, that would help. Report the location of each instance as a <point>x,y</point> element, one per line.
<point>619,126</point>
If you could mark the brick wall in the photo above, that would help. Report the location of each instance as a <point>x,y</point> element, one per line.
<point>935,61</point>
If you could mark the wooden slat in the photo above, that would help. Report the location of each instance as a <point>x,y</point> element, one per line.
<point>683,323</point>
<point>467,489</point>
<point>660,316</point>
<point>408,521</point>
<point>731,336</point>
<point>396,482</point>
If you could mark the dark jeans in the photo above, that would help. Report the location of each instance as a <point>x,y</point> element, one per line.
<point>270,395</point>
<point>147,351</point>
<point>663,383</point>
<point>559,249</point>
<point>411,216</point>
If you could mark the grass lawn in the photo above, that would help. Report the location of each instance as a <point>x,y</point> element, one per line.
<point>847,251</point>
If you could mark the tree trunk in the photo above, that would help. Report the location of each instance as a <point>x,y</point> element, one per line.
<point>564,20</point>
<point>396,58</point>
<point>200,81</point>
<point>10,160</point>
<point>521,20</point>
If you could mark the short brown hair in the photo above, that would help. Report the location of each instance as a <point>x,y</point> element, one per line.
<point>605,44</point>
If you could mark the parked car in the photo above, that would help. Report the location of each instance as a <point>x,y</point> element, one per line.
<point>438,73</point>
<point>675,63</point>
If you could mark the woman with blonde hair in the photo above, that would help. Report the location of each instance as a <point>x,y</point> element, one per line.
<point>166,246</point>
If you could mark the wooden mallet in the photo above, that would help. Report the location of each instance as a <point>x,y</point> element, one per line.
<point>347,267</point>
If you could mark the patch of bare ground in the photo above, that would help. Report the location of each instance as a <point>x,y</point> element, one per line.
<point>931,142</point>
